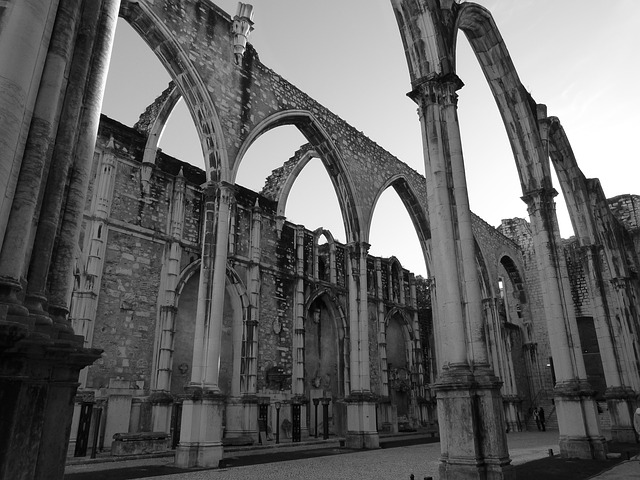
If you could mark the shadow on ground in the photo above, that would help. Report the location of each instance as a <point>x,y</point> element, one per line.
<point>557,468</point>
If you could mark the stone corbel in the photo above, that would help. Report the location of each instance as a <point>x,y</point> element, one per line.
<point>242,27</point>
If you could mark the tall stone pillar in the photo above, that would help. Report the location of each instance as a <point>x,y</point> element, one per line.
<point>242,406</point>
<point>574,399</point>
<point>40,361</point>
<point>604,261</point>
<point>361,405</point>
<point>25,33</point>
<point>163,358</point>
<point>466,387</point>
<point>201,432</point>
<point>297,386</point>
<point>620,396</point>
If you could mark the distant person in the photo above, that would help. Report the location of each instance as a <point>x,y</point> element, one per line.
<point>541,418</point>
<point>536,417</point>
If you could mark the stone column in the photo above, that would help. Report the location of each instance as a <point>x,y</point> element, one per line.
<point>25,33</point>
<point>39,373</point>
<point>361,405</point>
<point>575,405</point>
<point>21,222</point>
<point>161,386</point>
<point>242,407</point>
<point>620,397</point>
<point>201,434</point>
<point>297,387</point>
<point>466,387</point>
<point>603,260</point>
<point>72,156</point>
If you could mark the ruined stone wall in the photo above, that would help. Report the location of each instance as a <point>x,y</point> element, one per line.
<point>578,280</point>
<point>519,230</point>
<point>626,208</point>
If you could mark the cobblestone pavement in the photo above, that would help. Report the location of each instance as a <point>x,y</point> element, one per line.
<point>384,464</point>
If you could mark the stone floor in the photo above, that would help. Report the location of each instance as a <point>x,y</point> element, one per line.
<point>384,464</point>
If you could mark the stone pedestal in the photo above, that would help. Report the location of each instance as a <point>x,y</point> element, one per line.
<point>472,427</point>
<point>511,412</point>
<point>161,408</point>
<point>38,382</point>
<point>242,418</point>
<point>119,411</point>
<point>361,423</point>
<point>578,421</point>
<point>620,402</point>
<point>201,430</point>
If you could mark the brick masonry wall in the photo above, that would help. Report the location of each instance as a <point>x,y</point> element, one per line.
<point>125,323</point>
<point>519,230</point>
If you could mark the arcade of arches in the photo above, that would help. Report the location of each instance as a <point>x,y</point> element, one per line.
<point>184,303</point>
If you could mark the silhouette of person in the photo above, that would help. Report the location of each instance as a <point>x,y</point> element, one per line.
<point>536,417</point>
<point>541,418</point>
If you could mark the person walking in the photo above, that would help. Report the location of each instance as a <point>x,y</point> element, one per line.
<point>541,418</point>
<point>536,417</point>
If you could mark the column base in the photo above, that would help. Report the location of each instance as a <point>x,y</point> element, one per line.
<point>199,455</point>
<point>38,380</point>
<point>458,470</point>
<point>201,430</point>
<point>586,448</point>
<point>242,418</point>
<point>623,434</point>
<point>361,422</point>
<point>162,407</point>
<point>621,404</point>
<point>578,421</point>
<point>472,426</point>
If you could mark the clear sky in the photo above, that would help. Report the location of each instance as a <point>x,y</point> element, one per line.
<point>579,57</point>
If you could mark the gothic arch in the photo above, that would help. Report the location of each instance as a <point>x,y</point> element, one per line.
<point>324,271</point>
<point>513,270</point>
<point>291,179</point>
<point>326,151</point>
<point>192,87</point>
<point>516,106</point>
<point>240,305</point>
<point>417,212</point>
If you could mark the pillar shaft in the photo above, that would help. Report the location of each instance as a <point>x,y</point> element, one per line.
<point>575,406</point>
<point>24,40</point>
<point>358,318</point>
<point>62,163</point>
<point>37,154</point>
<point>444,225</point>
<point>299,316</point>
<point>466,387</point>
<point>208,332</point>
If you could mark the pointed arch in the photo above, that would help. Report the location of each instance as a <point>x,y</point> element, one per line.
<point>324,263</point>
<point>326,151</point>
<point>192,87</point>
<point>416,210</point>
<point>518,109</point>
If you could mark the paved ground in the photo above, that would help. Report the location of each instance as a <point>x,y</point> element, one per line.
<point>398,460</point>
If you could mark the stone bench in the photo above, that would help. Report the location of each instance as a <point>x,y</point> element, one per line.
<point>139,443</point>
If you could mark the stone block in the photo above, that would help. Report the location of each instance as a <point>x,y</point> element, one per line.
<point>125,444</point>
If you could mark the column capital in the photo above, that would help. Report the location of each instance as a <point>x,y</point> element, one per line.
<point>437,90</point>
<point>358,248</point>
<point>212,189</point>
<point>537,198</point>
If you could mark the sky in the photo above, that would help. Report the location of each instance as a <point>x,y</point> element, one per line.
<point>579,57</point>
